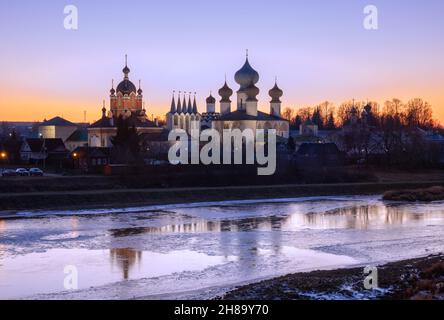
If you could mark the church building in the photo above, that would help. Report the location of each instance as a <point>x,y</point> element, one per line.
<point>245,115</point>
<point>126,102</point>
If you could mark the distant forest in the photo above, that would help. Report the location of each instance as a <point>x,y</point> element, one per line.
<point>327,116</point>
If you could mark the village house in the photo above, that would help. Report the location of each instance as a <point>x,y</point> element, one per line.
<point>44,150</point>
<point>90,159</point>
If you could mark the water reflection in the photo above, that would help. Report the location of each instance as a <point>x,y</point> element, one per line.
<point>363,217</point>
<point>2,246</point>
<point>354,217</point>
<point>125,258</point>
<point>38,272</point>
<point>203,247</point>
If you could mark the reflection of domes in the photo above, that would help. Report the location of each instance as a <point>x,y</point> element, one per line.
<point>246,75</point>
<point>275,93</point>
<point>126,87</point>
<point>225,92</point>
<point>211,99</point>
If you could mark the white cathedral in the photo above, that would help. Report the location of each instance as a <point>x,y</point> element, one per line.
<point>246,115</point>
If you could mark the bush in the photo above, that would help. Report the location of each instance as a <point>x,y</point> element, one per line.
<point>426,195</point>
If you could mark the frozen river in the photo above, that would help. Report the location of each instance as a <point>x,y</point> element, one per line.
<point>199,251</point>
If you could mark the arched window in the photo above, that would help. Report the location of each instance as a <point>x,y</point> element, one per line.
<point>267,125</point>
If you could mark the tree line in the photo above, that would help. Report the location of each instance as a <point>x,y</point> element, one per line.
<point>397,133</point>
<point>413,113</point>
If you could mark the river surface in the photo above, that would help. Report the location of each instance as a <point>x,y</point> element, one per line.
<point>199,251</point>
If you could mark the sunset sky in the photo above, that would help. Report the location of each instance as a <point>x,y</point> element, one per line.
<point>318,49</point>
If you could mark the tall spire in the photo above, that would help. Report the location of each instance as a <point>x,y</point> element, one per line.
<point>173,104</point>
<point>190,107</point>
<point>112,91</point>
<point>140,91</point>
<point>179,105</point>
<point>184,103</point>
<point>194,104</point>
<point>103,109</point>
<point>126,70</point>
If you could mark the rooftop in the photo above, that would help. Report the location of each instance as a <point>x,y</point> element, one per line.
<point>58,121</point>
<point>242,115</point>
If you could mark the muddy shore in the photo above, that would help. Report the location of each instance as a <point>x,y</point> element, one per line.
<point>413,279</point>
<point>90,199</point>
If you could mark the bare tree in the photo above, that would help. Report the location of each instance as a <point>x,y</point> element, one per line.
<point>288,114</point>
<point>343,113</point>
<point>419,114</point>
<point>305,113</point>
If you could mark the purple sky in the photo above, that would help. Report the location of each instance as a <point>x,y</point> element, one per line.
<point>318,49</point>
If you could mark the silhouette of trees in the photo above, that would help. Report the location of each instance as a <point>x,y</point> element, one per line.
<point>317,118</point>
<point>414,113</point>
<point>5,128</point>
<point>418,113</point>
<point>126,142</point>
<point>398,132</point>
<point>12,144</point>
<point>296,122</point>
<point>291,145</point>
<point>330,124</point>
<point>288,114</point>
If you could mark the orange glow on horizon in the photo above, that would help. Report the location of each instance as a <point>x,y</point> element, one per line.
<point>37,108</point>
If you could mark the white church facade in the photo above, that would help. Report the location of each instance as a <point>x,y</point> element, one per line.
<point>244,115</point>
<point>183,115</point>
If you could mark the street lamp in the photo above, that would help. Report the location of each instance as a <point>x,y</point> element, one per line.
<point>3,155</point>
